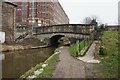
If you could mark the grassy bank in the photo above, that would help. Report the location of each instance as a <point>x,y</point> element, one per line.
<point>47,71</point>
<point>30,72</point>
<point>109,55</point>
<point>79,48</point>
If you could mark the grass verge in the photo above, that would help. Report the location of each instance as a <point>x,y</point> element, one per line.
<point>48,71</point>
<point>109,54</point>
<point>30,72</point>
<point>79,48</point>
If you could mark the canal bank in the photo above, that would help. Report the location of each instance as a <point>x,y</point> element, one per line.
<point>28,43</point>
<point>5,48</point>
<point>43,70</point>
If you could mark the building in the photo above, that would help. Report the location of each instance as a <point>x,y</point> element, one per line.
<point>8,20</point>
<point>22,13</point>
<point>40,13</point>
<point>119,12</point>
<point>112,27</point>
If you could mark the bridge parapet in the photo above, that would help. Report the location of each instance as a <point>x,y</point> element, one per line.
<point>65,28</point>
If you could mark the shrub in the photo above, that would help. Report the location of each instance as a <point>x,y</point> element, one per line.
<point>101,52</point>
<point>73,50</point>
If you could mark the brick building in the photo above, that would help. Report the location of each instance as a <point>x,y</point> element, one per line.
<point>21,13</point>
<point>40,13</point>
<point>8,20</point>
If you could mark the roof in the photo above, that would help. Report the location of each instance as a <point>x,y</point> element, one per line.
<point>112,25</point>
<point>9,2</point>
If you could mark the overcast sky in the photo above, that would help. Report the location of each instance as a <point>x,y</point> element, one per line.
<point>105,10</point>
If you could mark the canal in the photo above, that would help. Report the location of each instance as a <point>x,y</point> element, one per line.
<point>16,63</point>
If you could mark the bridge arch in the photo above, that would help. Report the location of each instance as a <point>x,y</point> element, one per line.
<point>54,39</point>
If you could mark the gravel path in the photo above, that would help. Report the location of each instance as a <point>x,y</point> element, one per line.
<point>89,56</point>
<point>68,67</point>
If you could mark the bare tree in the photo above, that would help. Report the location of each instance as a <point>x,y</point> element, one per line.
<point>87,20</point>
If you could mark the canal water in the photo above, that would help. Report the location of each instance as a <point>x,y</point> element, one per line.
<point>16,63</point>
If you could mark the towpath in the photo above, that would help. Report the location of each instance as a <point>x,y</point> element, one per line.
<point>68,67</point>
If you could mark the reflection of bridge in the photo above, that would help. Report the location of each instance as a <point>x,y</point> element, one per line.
<point>51,34</point>
<point>55,32</point>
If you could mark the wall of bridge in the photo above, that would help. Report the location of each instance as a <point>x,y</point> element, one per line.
<point>44,33</point>
<point>66,28</point>
<point>46,37</point>
<point>77,31</point>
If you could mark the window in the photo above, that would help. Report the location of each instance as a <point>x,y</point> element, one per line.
<point>24,3</point>
<point>32,21</point>
<point>24,8</point>
<point>44,15</point>
<point>44,8</point>
<point>17,19</point>
<point>24,15</point>
<point>23,20</point>
<point>32,12</point>
<point>18,9</point>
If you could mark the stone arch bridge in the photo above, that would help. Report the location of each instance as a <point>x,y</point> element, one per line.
<point>51,34</point>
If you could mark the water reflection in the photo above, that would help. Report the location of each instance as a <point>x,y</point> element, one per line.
<point>2,57</point>
<point>18,62</point>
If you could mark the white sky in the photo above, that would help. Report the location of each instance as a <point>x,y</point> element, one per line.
<point>105,10</point>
